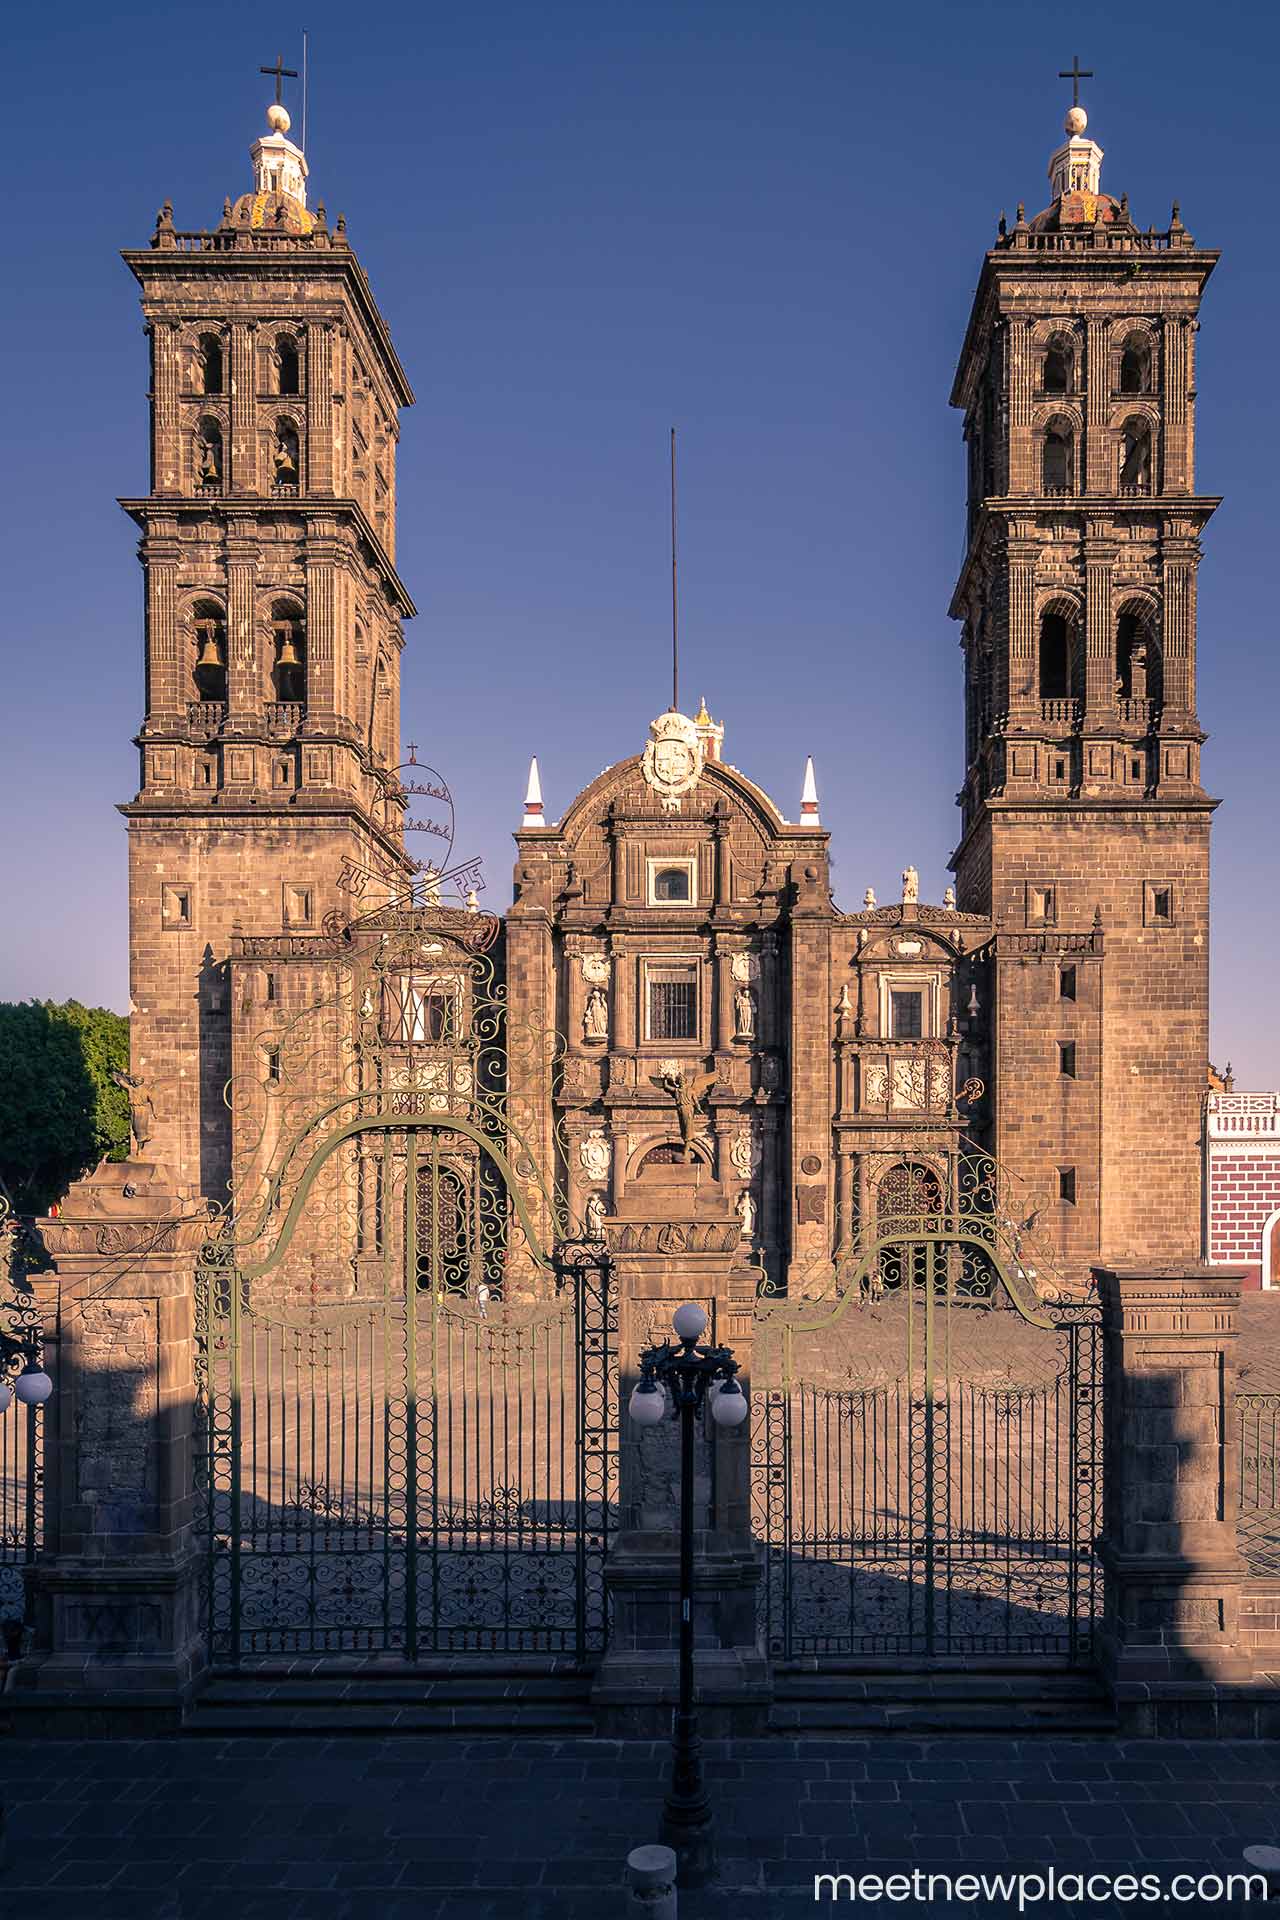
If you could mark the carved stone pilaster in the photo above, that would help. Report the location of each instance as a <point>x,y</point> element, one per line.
<point>117,1639</point>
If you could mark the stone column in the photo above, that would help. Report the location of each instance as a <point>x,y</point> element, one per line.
<point>1170,1646</point>
<point>168,469</point>
<point>319,383</point>
<point>1100,659</point>
<point>117,1643</point>
<point>1097,445</point>
<point>241,455</point>
<point>246,685</point>
<point>169,684</point>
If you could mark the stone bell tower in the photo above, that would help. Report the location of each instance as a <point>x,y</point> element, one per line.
<point>1085,825</point>
<point>268,796</point>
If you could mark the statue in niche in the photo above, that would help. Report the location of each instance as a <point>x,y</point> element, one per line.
<point>208,466</point>
<point>910,887</point>
<point>594,1217</point>
<point>688,1091</point>
<point>747,1214</point>
<point>595,1017</point>
<point>285,461</point>
<point>744,1013</point>
<point>142,1108</point>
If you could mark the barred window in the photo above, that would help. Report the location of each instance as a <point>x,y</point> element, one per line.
<point>673,1003</point>
<point>418,1012</point>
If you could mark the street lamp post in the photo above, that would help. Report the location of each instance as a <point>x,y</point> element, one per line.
<point>689,1373</point>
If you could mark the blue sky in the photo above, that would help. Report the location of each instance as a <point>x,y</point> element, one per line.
<point>763,223</point>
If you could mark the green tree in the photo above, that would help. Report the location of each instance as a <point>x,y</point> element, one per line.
<point>60,1113</point>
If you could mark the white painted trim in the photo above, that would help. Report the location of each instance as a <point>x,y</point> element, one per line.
<point>1267,1226</point>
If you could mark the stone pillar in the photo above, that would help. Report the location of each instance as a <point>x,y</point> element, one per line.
<point>675,1237</point>
<point>246,682</point>
<point>1170,1646</point>
<point>117,1640</point>
<point>1100,658</point>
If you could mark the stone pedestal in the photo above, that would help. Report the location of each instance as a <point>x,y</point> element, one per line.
<point>677,1237</point>
<point>117,1639</point>
<point>1170,1645</point>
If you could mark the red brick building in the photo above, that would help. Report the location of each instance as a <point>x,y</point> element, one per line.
<point>1242,1183</point>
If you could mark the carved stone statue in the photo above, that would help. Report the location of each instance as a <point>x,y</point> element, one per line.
<point>286,467</point>
<point>747,1214</point>
<point>595,1018</point>
<point>208,471</point>
<point>910,887</point>
<point>744,1013</point>
<point>869,899</point>
<point>142,1110</point>
<point>949,899</point>
<point>688,1091</point>
<point>594,1216</point>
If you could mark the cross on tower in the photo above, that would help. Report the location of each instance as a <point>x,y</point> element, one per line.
<point>1075,73</point>
<point>281,73</point>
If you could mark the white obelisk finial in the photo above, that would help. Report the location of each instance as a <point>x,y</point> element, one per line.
<point>809,798</point>
<point>533,814</point>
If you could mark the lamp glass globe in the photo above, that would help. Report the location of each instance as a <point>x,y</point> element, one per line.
<point>690,1322</point>
<point>33,1385</point>
<point>6,1396</point>
<point>729,1406</point>
<point>647,1404</point>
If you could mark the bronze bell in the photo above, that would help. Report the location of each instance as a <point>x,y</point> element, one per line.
<point>289,655</point>
<point>210,654</point>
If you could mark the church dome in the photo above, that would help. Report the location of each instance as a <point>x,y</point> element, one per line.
<point>272,213</point>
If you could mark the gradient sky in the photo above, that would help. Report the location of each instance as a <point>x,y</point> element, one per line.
<point>763,223</point>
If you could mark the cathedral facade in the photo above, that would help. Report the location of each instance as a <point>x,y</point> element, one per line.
<point>740,1055</point>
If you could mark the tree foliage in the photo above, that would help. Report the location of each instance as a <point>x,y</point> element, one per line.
<point>59,1111</point>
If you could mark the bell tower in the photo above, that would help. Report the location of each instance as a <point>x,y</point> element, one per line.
<point>268,797</point>
<point>1085,829</point>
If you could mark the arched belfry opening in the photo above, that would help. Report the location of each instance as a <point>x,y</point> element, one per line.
<point>209,662</point>
<point>1137,654</point>
<point>1056,646</point>
<point>1057,456</point>
<point>289,653</point>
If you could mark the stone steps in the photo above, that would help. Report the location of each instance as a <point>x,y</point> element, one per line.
<point>280,1699</point>
<point>857,1700</point>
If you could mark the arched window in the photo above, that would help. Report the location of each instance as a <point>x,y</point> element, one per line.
<point>1135,364</point>
<point>209,665</point>
<point>1057,457</point>
<point>287,364</point>
<point>289,664</point>
<point>1056,373</point>
<point>1137,656</point>
<point>1135,457</point>
<point>285,469</point>
<point>673,884</point>
<point>207,457</point>
<point>1055,656</point>
<point>206,365</point>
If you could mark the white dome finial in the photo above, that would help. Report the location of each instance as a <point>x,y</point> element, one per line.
<point>278,117</point>
<point>1076,122</point>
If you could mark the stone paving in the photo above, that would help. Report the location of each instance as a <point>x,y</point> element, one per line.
<point>439,1829</point>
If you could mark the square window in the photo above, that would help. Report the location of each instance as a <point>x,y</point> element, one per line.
<point>1066,983</point>
<point>175,907</point>
<point>1067,1185</point>
<point>299,905</point>
<point>1158,903</point>
<point>906,1014</point>
<point>1042,906</point>
<point>672,1002</point>
<point>1067,1058</point>
<point>1059,769</point>
<point>672,882</point>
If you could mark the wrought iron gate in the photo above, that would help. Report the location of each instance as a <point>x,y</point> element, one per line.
<point>406,1404</point>
<point>927,1451</point>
